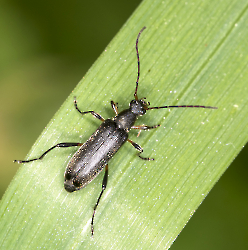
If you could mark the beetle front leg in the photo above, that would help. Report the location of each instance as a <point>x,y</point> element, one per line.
<point>144,127</point>
<point>115,107</point>
<point>96,115</point>
<point>139,148</point>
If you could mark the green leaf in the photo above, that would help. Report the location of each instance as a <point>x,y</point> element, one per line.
<point>190,53</point>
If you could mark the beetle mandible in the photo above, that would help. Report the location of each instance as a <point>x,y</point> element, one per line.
<point>93,155</point>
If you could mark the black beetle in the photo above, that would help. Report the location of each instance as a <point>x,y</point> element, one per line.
<point>93,155</point>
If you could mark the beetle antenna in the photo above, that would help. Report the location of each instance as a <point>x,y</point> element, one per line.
<point>137,82</point>
<point>183,106</point>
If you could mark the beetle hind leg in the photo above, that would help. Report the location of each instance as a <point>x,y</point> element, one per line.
<point>104,185</point>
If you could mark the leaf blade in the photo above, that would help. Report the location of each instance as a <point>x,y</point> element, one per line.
<point>145,203</point>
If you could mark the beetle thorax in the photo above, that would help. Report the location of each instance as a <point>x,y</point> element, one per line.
<point>126,119</point>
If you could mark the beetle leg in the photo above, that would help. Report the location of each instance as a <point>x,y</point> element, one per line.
<point>104,185</point>
<point>96,115</point>
<point>144,127</point>
<point>59,145</point>
<point>139,148</point>
<point>114,107</point>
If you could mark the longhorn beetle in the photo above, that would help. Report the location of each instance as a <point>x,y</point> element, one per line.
<point>93,155</point>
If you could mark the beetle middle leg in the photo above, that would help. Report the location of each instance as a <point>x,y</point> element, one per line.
<point>96,115</point>
<point>59,145</point>
<point>139,148</point>
<point>104,185</point>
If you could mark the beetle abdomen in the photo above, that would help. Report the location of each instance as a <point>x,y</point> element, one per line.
<point>93,155</point>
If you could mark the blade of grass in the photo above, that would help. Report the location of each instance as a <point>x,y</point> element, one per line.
<point>190,54</point>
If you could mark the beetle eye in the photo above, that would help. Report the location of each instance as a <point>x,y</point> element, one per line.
<point>68,176</point>
<point>76,183</point>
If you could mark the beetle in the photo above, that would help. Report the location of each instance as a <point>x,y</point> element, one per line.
<point>93,155</point>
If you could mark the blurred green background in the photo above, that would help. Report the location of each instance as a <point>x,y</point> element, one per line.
<point>45,49</point>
